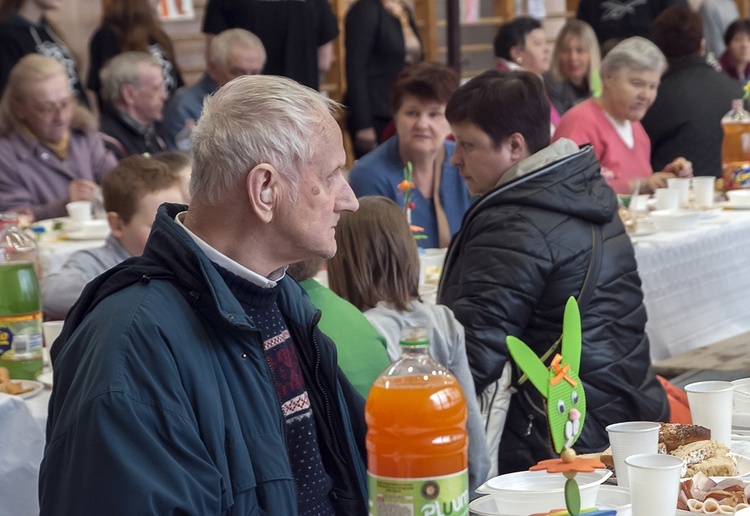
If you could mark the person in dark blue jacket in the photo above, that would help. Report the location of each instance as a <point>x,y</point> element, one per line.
<point>194,379</point>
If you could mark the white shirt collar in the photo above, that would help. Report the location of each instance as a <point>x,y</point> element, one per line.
<point>229,264</point>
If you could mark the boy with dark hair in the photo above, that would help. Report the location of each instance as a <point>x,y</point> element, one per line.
<point>545,228</point>
<point>133,190</point>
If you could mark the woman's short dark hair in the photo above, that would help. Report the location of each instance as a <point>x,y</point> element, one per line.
<point>678,32</point>
<point>513,34</point>
<point>427,81</point>
<point>736,27</point>
<point>503,103</point>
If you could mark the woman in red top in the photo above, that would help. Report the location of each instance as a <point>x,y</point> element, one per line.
<point>630,77</point>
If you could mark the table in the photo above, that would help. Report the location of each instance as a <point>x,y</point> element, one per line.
<point>54,249</point>
<point>724,360</point>
<point>696,283</point>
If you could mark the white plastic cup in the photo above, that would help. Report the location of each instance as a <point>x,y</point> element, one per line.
<point>711,406</point>
<point>667,198</point>
<point>703,191</point>
<point>682,185</point>
<point>79,211</point>
<point>654,483</point>
<point>631,438</point>
<point>50,331</point>
<point>639,203</point>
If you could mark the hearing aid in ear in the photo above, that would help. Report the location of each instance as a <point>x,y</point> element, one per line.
<point>265,195</point>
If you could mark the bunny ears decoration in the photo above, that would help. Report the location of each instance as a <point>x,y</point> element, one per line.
<point>559,384</point>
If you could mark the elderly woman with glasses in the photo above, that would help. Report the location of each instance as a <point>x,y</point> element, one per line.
<point>630,73</point>
<point>50,153</point>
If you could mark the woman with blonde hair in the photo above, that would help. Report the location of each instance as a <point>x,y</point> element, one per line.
<point>376,268</point>
<point>574,72</point>
<point>25,29</point>
<point>50,153</point>
<point>132,25</point>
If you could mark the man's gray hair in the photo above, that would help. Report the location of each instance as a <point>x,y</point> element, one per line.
<point>637,54</point>
<point>228,39</point>
<point>255,119</point>
<point>121,70</point>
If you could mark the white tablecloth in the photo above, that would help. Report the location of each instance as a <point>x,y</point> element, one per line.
<point>22,429</point>
<point>54,249</point>
<point>696,283</point>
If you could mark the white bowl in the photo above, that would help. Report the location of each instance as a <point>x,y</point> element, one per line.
<point>675,220</point>
<point>739,197</point>
<point>609,498</point>
<point>528,492</point>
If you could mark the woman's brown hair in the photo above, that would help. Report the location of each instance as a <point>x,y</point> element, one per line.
<point>377,258</point>
<point>137,26</point>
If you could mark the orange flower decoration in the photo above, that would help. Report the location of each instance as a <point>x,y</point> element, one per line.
<point>578,464</point>
<point>405,185</point>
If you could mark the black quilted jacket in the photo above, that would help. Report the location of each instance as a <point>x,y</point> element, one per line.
<point>522,250</point>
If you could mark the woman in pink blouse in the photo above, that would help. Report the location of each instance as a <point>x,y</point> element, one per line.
<point>630,77</point>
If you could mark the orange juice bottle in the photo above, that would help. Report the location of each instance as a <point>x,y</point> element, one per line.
<point>417,445</point>
<point>735,150</point>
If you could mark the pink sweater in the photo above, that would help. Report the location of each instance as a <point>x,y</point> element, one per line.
<point>587,123</point>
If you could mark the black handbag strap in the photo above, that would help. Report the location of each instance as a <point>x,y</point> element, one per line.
<point>587,289</point>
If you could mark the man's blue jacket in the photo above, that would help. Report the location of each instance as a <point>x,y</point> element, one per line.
<point>164,403</point>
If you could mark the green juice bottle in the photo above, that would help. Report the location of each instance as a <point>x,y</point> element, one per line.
<point>20,304</point>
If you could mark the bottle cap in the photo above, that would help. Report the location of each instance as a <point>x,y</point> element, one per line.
<point>417,336</point>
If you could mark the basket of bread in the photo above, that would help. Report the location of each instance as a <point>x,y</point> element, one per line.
<point>12,387</point>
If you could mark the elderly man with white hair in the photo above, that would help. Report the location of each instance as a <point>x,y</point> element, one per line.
<point>233,53</point>
<point>133,97</point>
<point>630,78</point>
<point>194,379</point>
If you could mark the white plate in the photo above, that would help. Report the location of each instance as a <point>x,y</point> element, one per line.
<point>731,206</point>
<point>710,213</point>
<point>35,387</point>
<point>46,379</point>
<point>608,497</point>
<point>86,235</point>
<point>642,232</point>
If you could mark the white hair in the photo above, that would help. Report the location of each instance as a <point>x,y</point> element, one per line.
<point>255,119</point>
<point>226,40</point>
<point>121,70</point>
<point>636,53</point>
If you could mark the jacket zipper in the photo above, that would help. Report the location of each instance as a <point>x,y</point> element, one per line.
<point>327,403</point>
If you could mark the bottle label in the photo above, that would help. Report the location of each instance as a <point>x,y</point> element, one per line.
<point>736,175</point>
<point>435,496</point>
<point>22,333</point>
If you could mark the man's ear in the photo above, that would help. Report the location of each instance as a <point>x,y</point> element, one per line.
<point>115,224</point>
<point>263,183</point>
<point>518,147</point>
<point>127,94</point>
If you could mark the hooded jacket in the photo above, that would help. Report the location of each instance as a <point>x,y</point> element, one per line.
<point>164,402</point>
<point>523,249</point>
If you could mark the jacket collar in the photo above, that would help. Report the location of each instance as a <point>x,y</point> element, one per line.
<point>556,151</point>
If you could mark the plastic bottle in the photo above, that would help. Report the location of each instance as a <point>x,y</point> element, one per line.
<point>417,446</point>
<point>735,151</point>
<point>20,306</point>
